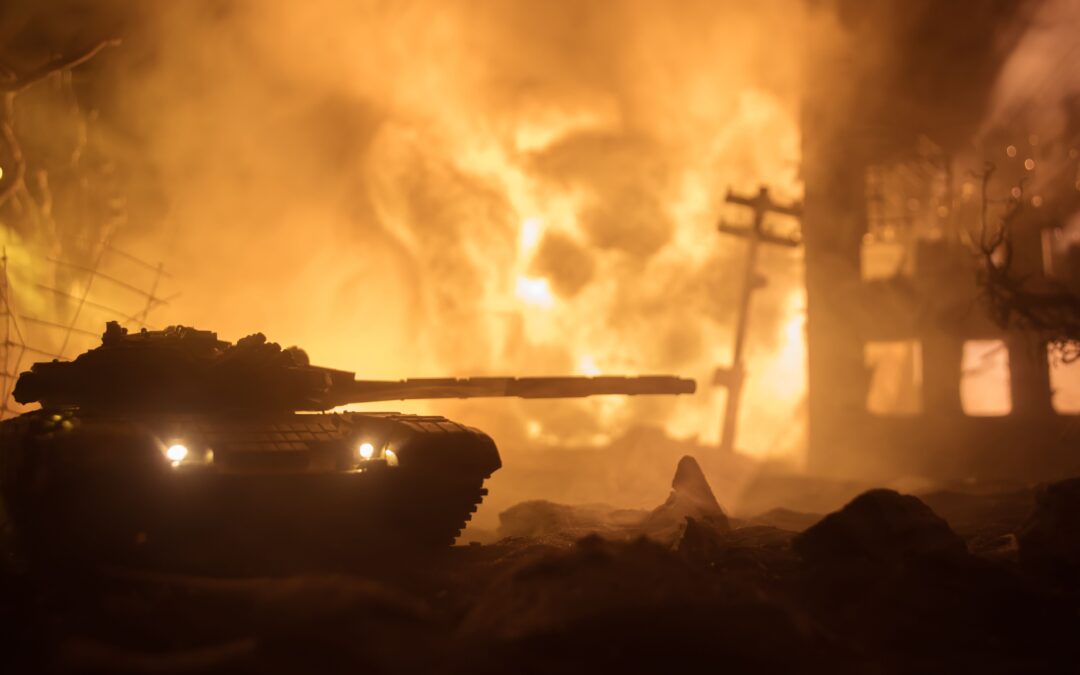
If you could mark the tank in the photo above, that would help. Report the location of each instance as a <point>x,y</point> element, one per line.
<point>175,447</point>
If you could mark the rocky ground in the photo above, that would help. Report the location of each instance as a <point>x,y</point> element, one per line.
<point>890,583</point>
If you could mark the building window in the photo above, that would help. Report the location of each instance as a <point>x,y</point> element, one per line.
<point>882,257</point>
<point>984,382</point>
<point>906,201</point>
<point>895,370</point>
<point>1061,254</point>
<point>1065,384</point>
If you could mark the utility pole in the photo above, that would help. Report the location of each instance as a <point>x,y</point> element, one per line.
<point>733,376</point>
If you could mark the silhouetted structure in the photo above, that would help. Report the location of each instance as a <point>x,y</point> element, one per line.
<point>157,435</point>
<point>874,177</point>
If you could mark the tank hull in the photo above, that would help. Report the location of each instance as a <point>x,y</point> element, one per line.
<point>250,493</point>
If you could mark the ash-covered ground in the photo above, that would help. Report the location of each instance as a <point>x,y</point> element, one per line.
<point>890,583</point>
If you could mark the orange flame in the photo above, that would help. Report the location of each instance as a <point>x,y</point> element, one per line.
<point>440,188</point>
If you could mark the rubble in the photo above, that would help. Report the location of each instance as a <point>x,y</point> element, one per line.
<point>881,585</point>
<point>879,526</point>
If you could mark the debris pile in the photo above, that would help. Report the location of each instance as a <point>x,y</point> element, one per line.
<point>879,526</point>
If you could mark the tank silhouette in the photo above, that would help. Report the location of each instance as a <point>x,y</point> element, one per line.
<point>176,447</point>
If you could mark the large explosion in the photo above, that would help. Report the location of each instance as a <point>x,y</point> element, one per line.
<point>463,188</point>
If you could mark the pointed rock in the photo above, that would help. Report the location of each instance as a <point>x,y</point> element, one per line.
<point>689,484</point>
<point>691,497</point>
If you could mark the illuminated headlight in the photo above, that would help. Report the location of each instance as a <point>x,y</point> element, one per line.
<point>176,453</point>
<point>181,453</point>
<point>375,451</point>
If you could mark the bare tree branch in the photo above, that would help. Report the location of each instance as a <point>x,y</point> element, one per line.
<point>1048,308</point>
<point>56,65</point>
<point>13,179</point>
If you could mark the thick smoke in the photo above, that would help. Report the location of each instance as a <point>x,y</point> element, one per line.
<point>480,188</point>
<point>469,188</point>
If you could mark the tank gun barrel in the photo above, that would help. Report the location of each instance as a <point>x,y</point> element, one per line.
<point>182,369</point>
<point>362,391</point>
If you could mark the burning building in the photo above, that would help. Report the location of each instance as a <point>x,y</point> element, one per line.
<point>908,374</point>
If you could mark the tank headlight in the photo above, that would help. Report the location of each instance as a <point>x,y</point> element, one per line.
<point>366,450</point>
<point>391,457</point>
<point>176,453</point>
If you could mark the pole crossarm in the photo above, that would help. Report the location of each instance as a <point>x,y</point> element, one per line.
<point>764,236</point>
<point>762,204</point>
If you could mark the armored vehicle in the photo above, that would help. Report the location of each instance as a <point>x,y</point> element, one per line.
<point>174,446</point>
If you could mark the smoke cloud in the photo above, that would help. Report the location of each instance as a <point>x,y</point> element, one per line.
<point>461,188</point>
<point>469,188</point>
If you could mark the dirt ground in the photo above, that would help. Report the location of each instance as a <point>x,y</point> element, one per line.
<point>890,583</point>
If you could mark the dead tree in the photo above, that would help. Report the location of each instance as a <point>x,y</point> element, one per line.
<point>1017,301</point>
<point>13,179</point>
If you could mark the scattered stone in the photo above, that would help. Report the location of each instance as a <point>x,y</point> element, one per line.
<point>879,526</point>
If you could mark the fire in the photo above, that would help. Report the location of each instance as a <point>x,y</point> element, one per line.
<point>586,365</point>
<point>533,188</point>
<point>532,229</point>
<point>535,292</point>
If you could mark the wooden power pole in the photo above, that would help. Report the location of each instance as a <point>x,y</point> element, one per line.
<point>732,377</point>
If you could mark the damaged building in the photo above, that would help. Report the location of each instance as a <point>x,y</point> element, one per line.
<point>908,374</point>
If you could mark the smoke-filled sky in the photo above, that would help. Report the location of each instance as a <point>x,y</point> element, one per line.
<point>453,188</point>
<point>423,188</point>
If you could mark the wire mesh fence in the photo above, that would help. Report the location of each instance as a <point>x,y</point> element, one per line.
<point>55,308</point>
